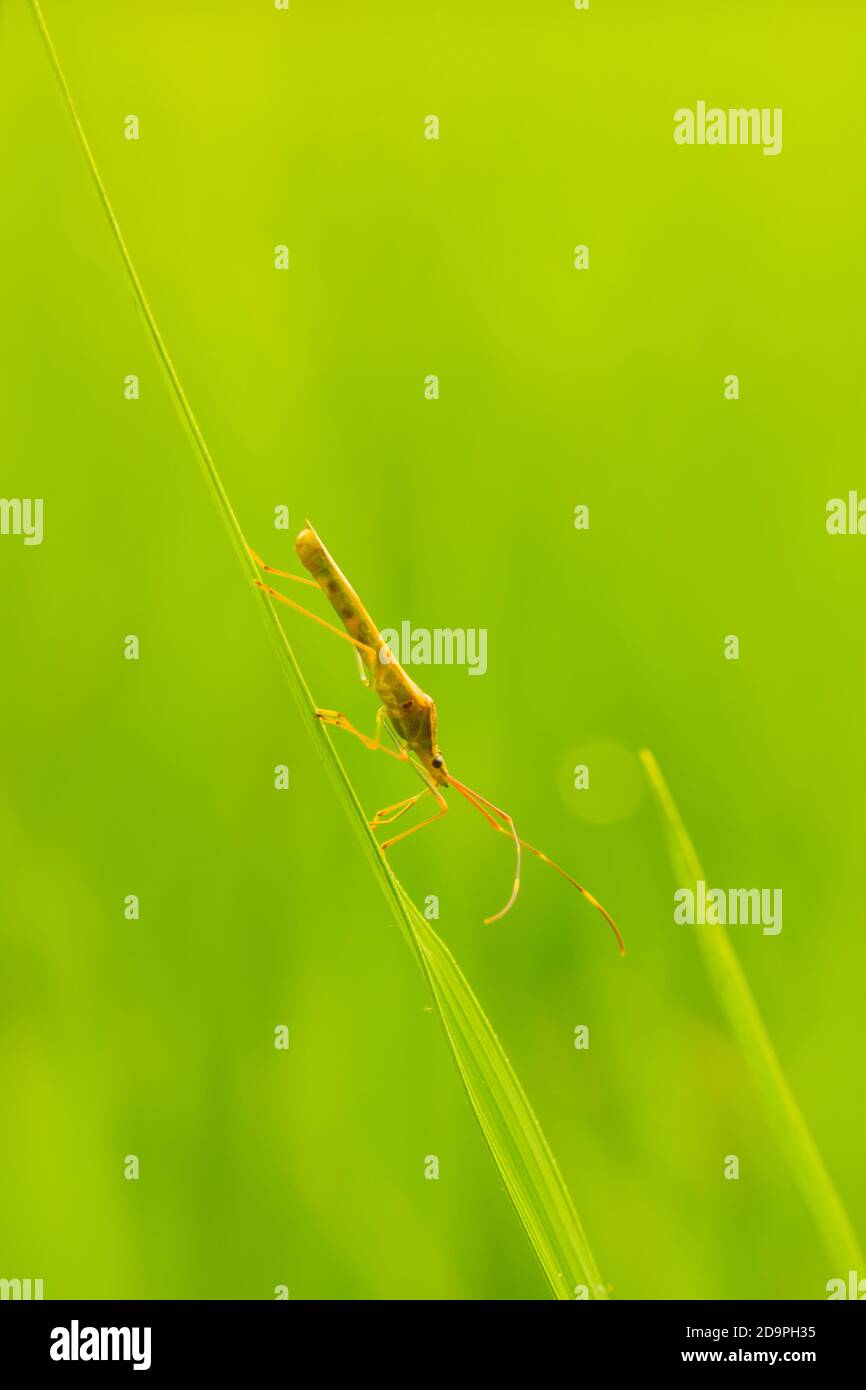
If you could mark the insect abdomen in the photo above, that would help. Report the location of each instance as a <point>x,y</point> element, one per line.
<point>338,591</point>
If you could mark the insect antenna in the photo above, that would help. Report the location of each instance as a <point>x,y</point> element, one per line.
<point>480,802</point>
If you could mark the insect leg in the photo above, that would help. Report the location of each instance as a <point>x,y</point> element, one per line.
<point>389,814</point>
<point>362,670</point>
<point>283,574</point>
<point>443,807</point>
<point>275,593</point>
<point>338,720</point>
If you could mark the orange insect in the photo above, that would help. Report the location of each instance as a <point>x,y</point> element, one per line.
<point>406,711</point>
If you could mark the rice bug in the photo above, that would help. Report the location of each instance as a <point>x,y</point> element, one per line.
<point>406,712</point>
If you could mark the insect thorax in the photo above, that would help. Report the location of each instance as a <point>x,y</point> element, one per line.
<point>410,711</point>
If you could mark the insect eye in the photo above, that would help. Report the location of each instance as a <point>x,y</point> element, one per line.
<point>438,760</point>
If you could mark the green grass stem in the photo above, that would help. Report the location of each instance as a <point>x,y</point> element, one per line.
<point>513,1134</point>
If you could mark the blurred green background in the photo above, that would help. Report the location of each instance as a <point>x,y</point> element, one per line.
<point>605,387</point>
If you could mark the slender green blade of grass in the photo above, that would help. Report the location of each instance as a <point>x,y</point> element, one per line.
<point>738,1003</point>
<point>520,1150</point>
<point>513,1134</point>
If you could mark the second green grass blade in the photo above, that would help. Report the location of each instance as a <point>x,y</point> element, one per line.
<point>738,1003</point>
